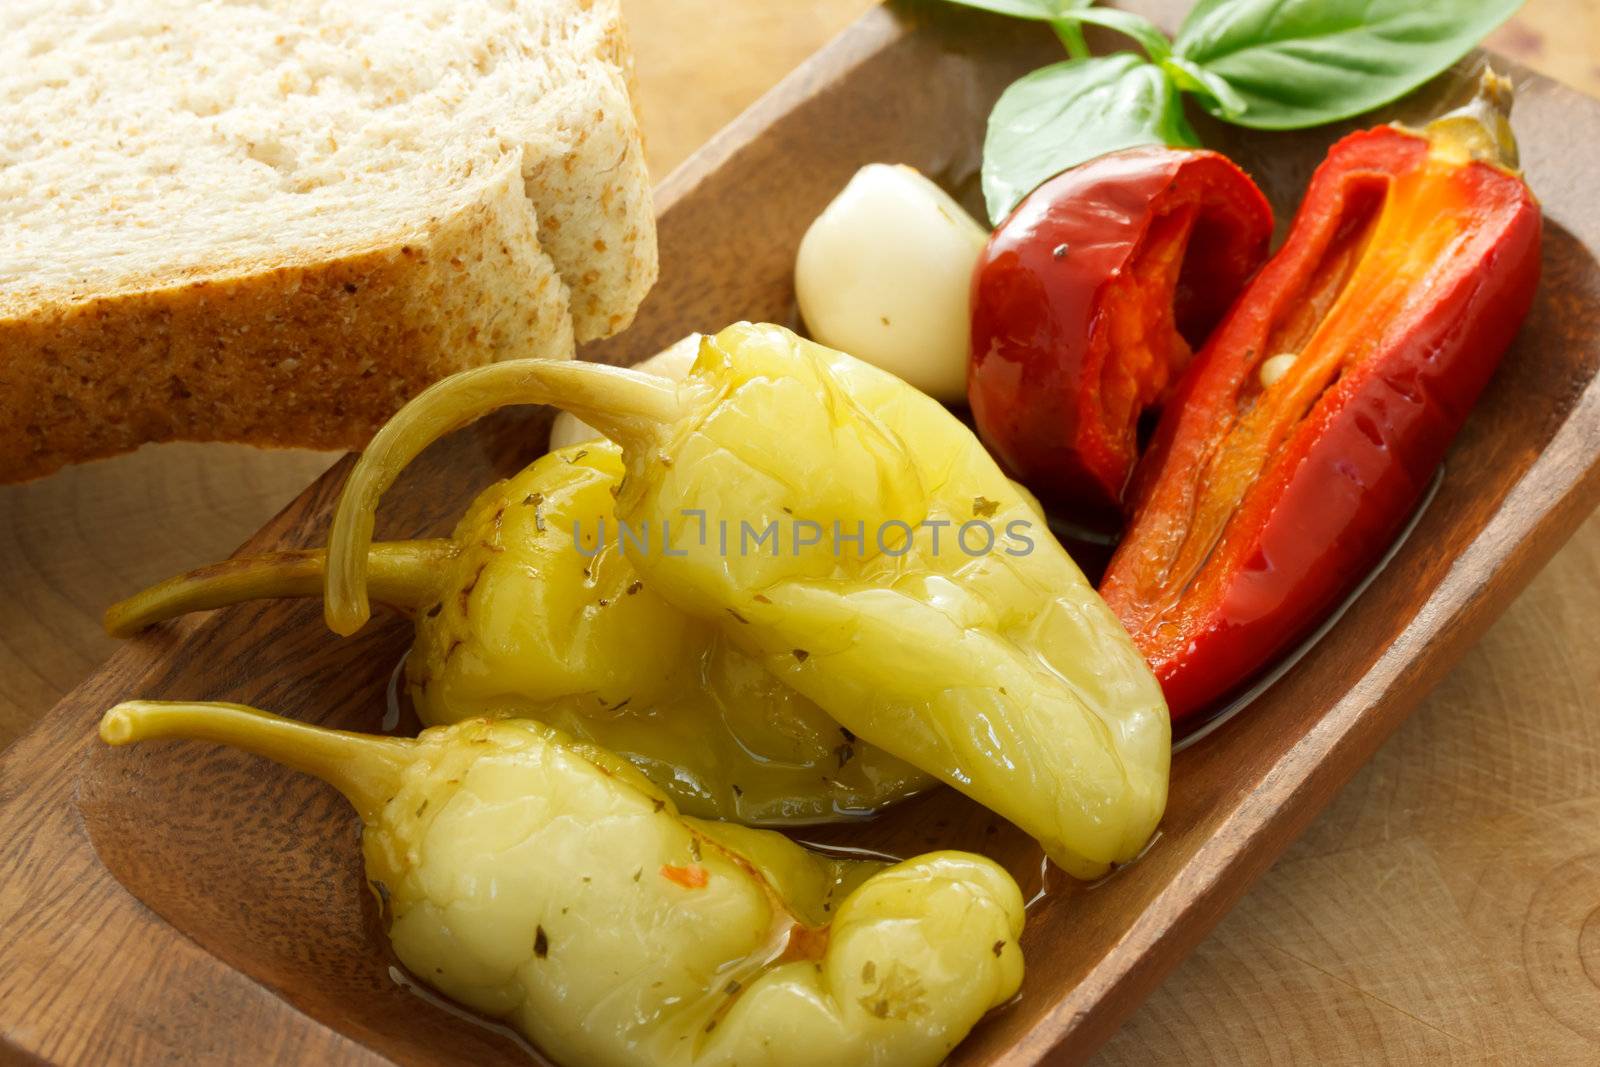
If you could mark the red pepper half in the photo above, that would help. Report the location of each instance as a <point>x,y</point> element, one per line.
<point>1086,303</point>
<point>1307,429</point>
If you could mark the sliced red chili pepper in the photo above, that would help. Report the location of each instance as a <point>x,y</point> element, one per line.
<point>1306,431</point>
<point>1086,303</point>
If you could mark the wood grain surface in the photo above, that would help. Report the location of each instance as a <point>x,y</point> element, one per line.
<point>1446,905</point>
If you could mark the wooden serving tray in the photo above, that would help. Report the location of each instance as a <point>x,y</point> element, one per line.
<point>181,902</point>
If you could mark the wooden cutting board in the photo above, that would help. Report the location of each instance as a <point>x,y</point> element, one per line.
<point>1446,905</point>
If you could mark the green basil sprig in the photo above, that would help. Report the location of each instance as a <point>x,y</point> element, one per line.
<point>1068,113</point>
<point>1302,63</point>
<point>1265,64</point>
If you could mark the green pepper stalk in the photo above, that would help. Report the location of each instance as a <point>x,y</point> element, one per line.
<point>512,621</point>
<point>548,883</point>
<point>1004,674</point>
<point>405,575</point>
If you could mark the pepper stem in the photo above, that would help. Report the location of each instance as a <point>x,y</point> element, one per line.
<point>402,574</point>
<point>1480,129</point>
<point>365,769</point>
<point>625,405</point>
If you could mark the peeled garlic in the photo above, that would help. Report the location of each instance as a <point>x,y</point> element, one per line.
<point>672,362</point>
<point>885,274</point>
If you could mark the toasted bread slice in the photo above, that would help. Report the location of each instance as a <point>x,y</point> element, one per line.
<point>275,222</point>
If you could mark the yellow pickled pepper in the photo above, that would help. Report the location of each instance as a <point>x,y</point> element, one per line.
<point>547,882</point>
<point>1001,672</point>
<point>511,620</point>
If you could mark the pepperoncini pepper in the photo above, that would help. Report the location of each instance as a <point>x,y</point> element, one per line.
<point>514,618</point>
<point>547,882</point>
<point>1001,672</point>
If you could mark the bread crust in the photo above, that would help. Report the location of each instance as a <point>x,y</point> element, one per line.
<point>312,354</point>
<point>317,346</point>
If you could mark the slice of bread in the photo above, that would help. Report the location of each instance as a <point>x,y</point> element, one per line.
<point>275,221</point>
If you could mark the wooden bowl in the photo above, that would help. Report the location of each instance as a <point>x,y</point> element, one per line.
<point>183,901</point>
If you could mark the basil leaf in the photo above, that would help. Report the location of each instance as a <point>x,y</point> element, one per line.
<point>1141,29</point>
<point>1301,63</point>
<point>1191,77</point>
<point>1038,10</point>
<point>1067,113</point>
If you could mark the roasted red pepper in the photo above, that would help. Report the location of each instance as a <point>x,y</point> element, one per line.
<point>1305,432</point>
<point>1086,303</point>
